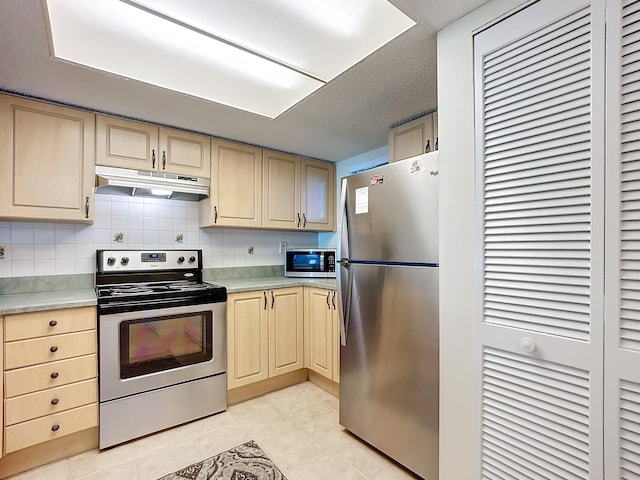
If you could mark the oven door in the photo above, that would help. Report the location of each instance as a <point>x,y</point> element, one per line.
<point>150,349</point>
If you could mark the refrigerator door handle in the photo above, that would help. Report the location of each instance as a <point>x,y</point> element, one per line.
<point>344,297</point>
<point>344,300</point>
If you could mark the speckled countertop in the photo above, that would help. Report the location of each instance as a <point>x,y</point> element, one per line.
<point>52,300</point>
<point>262,283</point>
<point>55,299</point>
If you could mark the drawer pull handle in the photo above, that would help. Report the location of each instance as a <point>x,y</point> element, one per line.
<point>54,375</point>
<point>54,401</point>
<point>53,323</point>
<point>55,428</point>
<point>53,349</point>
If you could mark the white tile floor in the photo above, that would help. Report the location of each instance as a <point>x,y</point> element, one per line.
<point>297,427</point>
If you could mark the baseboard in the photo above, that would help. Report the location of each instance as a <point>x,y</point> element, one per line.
<point>240,394</point>
<point>48,452</point>
<point>323,382</point>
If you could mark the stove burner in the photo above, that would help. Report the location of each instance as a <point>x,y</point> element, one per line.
<point>189,286</point>
<point>129,290</point>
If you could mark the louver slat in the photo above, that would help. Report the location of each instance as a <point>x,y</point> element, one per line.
<point>630,179</point>
<point>537,178</point>
<point>629,395</point>
<point>535,417</point>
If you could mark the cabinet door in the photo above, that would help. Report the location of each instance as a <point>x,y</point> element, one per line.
<point>286,339</point>
<point>318,329</point>
<point>318,195</point>
<point>540,142</point>
<point>126,144</point>
<point>247,338</point>
<point>236,189</point>
<point>622,307</point>
<point>411,139</point>
<point>281,190</point>
<point>46,161</point>
<point>184,153</point>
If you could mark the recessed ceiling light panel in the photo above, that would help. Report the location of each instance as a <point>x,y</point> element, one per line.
<point>262,56</point>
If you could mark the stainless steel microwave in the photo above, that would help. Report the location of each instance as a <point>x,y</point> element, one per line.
<point>310,263</point>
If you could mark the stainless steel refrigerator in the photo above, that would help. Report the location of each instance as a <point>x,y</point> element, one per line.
<point>388,292</point>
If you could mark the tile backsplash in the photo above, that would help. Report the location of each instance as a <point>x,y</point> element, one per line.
<point>122,222</point>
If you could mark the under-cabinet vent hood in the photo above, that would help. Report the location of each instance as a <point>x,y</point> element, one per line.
<point>122,181</point>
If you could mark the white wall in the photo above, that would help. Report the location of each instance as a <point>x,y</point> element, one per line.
<point>459,252</point>
<point>364,161</point>
<point>55,249</point>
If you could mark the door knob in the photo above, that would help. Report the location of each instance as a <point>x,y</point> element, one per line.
<point>527,344</point>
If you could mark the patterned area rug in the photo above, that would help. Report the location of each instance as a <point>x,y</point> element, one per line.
<point>244,462</point>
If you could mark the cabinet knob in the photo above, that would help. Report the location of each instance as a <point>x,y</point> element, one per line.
<point>53,323</point>
<point>54,375</point>
<point>53,349</point>
<point>55,428</point>
<point>527,344</point>
<point>55,401</point>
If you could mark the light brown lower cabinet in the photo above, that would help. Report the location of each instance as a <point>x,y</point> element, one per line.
<point>322,332</point>
<point>50,376</point>
<point>278,331</point>
<point>264,335</point>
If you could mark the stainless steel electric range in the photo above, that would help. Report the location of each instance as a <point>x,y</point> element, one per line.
<point>162,342</point>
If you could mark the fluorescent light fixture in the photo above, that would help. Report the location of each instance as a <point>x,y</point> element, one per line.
<point>262,56</point>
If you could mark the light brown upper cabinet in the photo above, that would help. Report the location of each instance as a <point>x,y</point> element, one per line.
<point>318,197</point>
<point>414,138</point>
<point>46,161</point>
<point>298,193</point>
<point>281,190</point>
<point>141,146</point>
<point>235,197</point>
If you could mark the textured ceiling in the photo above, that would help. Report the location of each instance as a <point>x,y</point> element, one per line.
<point>348,116</point>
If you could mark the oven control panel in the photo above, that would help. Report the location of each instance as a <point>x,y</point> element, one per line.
<point>147,260</point>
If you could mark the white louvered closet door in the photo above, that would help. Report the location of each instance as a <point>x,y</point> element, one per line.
<point>540,169</point>
<point>622,309</point>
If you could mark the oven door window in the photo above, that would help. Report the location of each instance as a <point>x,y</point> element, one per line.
<point>157,344</point>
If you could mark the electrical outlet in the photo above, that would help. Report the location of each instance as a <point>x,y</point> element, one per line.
<point>283,247</point>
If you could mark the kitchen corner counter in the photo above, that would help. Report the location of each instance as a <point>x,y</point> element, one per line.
<point>266,283</point>
<point>83,297</point>
<point>53,300</point>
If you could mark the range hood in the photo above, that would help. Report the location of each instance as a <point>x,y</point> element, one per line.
<point>122,181</point>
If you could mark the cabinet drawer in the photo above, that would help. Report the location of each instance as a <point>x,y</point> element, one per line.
<point>20,326</point>
<point>50,427</point>
<point>54,374</point>
<point>46,349</point>
<point>46,402</point>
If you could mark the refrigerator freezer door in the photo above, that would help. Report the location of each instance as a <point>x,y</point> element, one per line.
<point>392,212</point>
<point>389,366</point>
